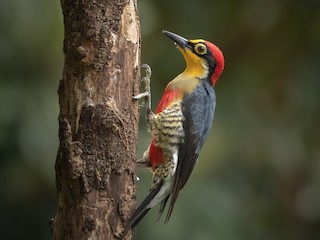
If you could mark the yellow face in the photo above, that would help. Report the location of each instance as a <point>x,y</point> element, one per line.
<point>196,66</point>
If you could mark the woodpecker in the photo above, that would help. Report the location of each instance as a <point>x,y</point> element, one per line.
<point>180,124</point>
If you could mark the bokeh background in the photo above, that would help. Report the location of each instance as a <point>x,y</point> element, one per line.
<point>258,176</point>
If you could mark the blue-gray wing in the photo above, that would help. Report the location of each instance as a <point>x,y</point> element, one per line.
<point>198,110</point>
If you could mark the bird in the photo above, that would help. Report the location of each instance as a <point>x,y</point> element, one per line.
<point>180,124</point>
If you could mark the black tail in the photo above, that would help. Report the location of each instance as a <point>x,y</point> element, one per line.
<point>141,211</point>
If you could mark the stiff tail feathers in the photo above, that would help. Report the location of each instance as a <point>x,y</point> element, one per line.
<point>141,211</point>
<point>163,206</point>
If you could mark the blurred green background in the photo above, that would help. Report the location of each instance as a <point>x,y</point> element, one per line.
<point>258,176</point>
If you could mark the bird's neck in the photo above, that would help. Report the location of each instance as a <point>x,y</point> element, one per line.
<point>184,83</point>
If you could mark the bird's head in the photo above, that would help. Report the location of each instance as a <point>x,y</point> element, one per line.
<point>203,58</point>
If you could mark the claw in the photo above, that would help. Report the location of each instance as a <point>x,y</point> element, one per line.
<point>144,161</point>
<point>146,95</point>
<point>141,95</point>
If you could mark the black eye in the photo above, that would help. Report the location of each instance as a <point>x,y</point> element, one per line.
<point>200,49</point>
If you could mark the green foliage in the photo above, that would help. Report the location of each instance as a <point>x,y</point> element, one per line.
<point>258,173</point>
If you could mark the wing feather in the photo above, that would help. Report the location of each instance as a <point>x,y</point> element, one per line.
<point>198,110</point>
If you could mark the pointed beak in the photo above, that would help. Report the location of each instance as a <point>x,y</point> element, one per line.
<point>180,41</point>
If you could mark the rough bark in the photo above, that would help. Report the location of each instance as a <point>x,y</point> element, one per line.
<point>98,120</point>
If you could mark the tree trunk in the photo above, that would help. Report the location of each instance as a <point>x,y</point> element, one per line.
<point>98,120</point>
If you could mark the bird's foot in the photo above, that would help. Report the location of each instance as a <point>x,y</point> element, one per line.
<point>144,161</point>
<point>146,95</point>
